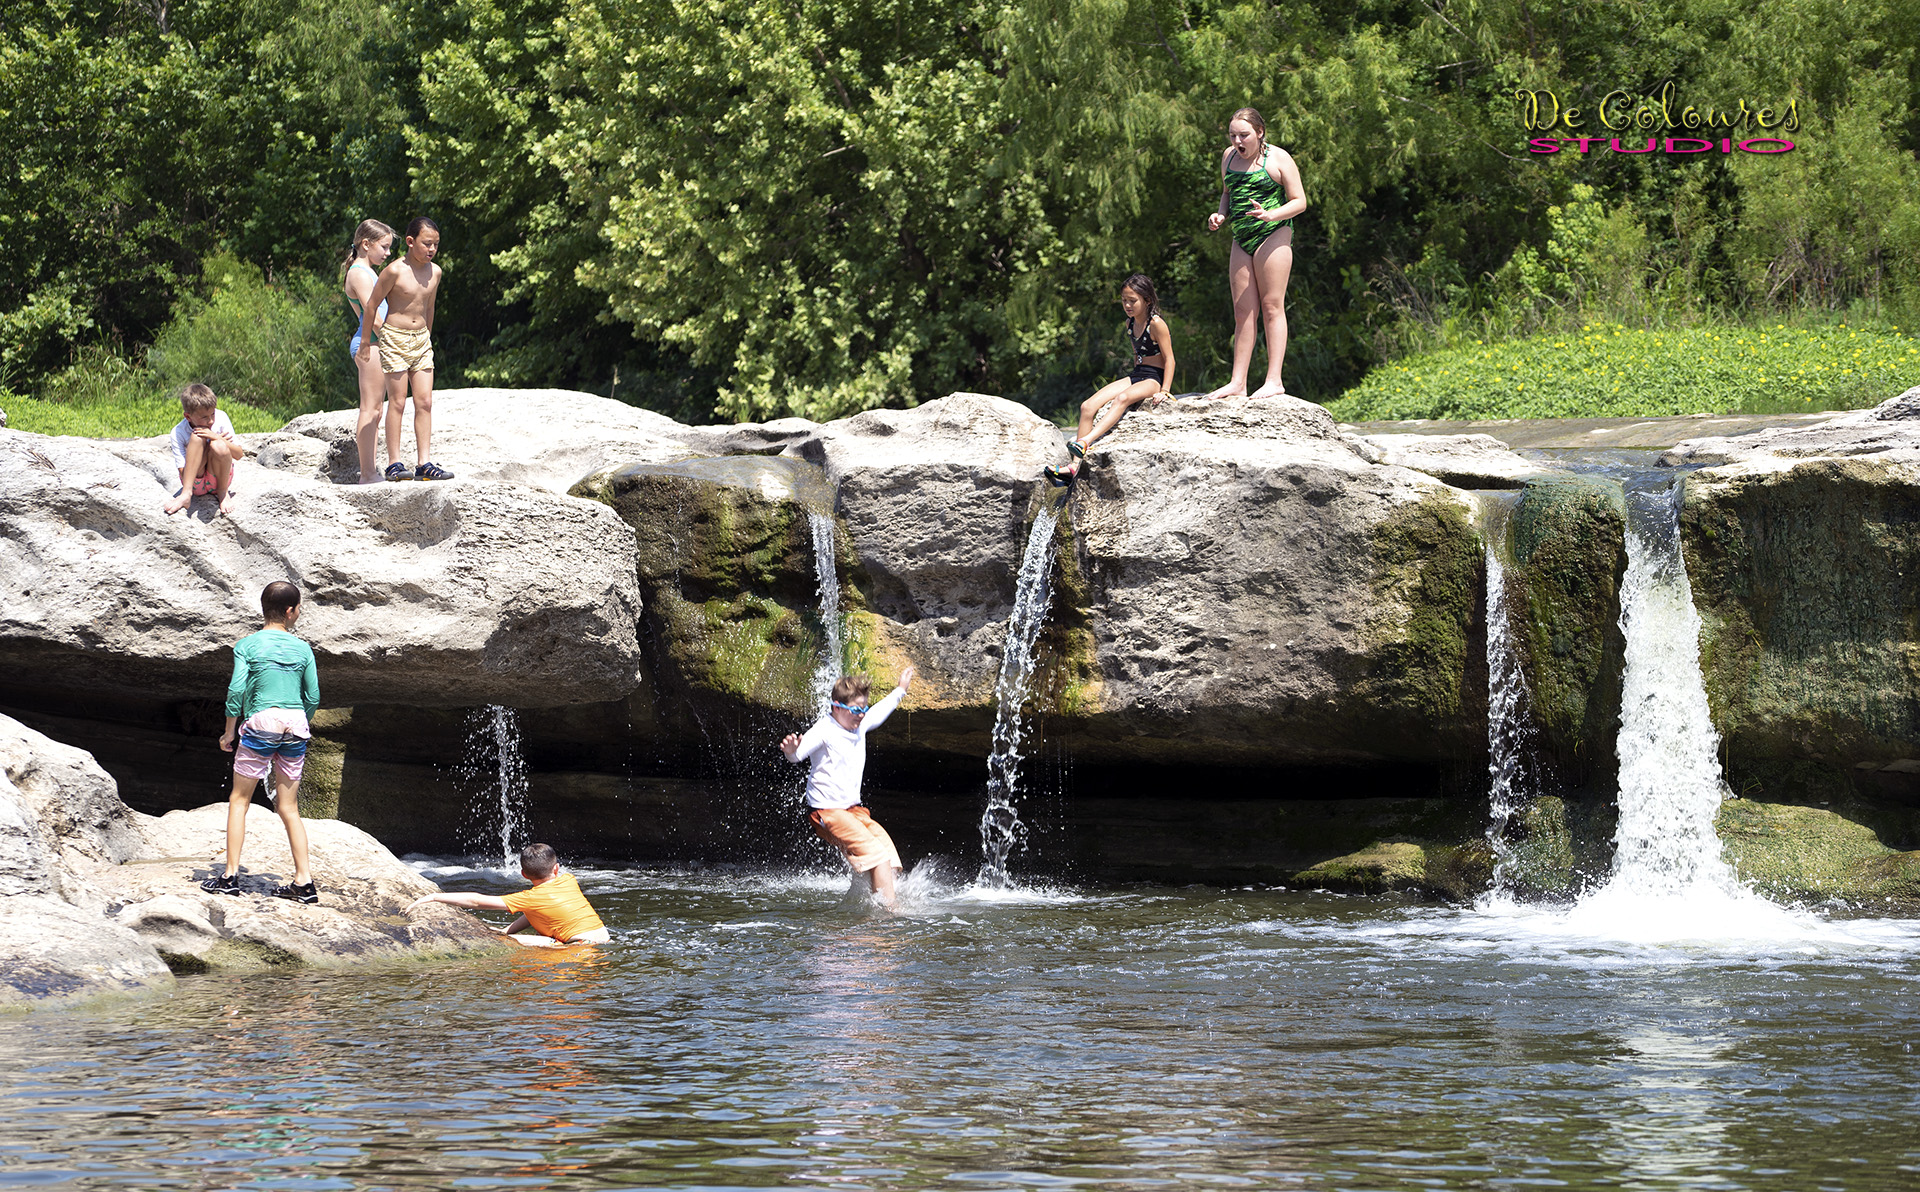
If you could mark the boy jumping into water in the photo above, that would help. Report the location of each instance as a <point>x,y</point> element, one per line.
<point>203,449</point>
<point>554,907</point>
<point>275,688</point>
<point>409,287</point>
<point>837,746</point>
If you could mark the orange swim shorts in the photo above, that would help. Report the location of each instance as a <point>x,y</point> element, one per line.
<point>852,831</point>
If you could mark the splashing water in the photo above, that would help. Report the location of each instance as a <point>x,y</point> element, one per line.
<point>1001,831</point>
<point>494,732</point>
<point>1670,783</point>
<point>1511,776</point>
<point>1669,881</point>
<point>827,579</point>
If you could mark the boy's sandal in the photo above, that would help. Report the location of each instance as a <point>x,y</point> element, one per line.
<point>1076,448</point>
<point>1058,476</point>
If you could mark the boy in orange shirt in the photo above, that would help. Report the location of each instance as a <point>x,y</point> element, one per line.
<point>554,907</point>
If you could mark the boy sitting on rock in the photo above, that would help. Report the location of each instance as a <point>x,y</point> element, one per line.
<point>554,907</point>
<point>203,449</point>
<point>837,746</point>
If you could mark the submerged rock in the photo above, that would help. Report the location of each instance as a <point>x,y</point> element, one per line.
<point>97,899</point>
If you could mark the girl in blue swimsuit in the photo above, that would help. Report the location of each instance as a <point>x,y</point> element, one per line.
<point>1150,377</point>
<point>366,252</point>
<point>1260,193</point>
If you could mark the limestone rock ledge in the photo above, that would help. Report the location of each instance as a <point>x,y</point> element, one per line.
<point>462,592</point>
<point>97,899</point>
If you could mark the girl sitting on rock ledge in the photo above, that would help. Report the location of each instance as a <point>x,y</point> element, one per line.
<point>1150,377</point>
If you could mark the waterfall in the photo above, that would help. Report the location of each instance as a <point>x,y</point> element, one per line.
<point>493,733</point>
<point>827,582</point>
<point>1000,828</point>
<point>1512,778</point>
<point>1670,781</point>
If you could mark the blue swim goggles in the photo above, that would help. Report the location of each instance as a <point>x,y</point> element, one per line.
<point>857,711</point>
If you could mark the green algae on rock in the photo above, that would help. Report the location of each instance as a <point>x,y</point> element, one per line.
<point>1569,550</point>
<point>723,550</point>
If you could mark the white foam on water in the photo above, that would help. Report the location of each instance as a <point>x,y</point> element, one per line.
<point>1615,927</point>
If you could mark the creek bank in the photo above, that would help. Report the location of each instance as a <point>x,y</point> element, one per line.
<point>97,899</point>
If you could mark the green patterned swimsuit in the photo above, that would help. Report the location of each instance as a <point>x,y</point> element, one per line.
<point>1245,186</point>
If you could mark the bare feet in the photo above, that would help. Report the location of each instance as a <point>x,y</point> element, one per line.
<point>178,503</point>
<point>226,507</point>
<point>1230,389</point>
<point>1270,389</point>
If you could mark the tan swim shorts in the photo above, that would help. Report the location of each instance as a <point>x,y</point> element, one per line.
<point>852,831</point>
<point>402,350</point>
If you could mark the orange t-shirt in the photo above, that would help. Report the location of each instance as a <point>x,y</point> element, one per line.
<point>556,908</point>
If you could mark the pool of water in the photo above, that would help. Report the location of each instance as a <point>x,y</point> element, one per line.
<point>756,1031</point>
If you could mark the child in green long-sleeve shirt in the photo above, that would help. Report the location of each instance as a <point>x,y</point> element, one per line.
<point>275,688</point>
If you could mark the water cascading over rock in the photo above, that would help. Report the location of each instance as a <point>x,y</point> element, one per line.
<point>496,765</point>
<point>1512,769</point>
<point>827,579</point>
<point>1000,828</point>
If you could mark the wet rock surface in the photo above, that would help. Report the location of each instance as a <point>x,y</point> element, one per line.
<point>97,899</point>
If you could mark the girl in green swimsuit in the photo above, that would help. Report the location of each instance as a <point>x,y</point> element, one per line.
<point>1260,193</point>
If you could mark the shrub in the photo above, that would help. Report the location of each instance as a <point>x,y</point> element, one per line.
<point>281,347</point>
<point>1607,370</point>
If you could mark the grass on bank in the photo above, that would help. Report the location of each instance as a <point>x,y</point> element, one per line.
<point>1605,370</point>
<point>271,349</point>
<point>134,416</point>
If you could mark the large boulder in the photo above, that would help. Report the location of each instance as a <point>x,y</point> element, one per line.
<point>1257,592</point>
<point>459,593</point>
<point>936,502</point>
<point>1802,546</point>
<point>540,438</point>
<point>97,899</point>
<point>364,893</point>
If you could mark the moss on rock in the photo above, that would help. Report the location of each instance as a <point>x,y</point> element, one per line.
<point>1794,851</point>
<point>1569,550</point>
<point>1803,577</point>
<point>1376,869</point>
<point>1427,585</point>
<point>724,554</point>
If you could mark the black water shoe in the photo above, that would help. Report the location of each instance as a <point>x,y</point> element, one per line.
<point>225,884</point>
<point>308,893</point>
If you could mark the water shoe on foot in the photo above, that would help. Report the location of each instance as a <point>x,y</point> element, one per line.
<point>309,893</point>
<point>399,471</point>
<point>1058,476</point>
<point>227,884</point>
<point>431,471</point>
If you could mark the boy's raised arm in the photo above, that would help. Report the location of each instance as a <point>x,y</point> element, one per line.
<point>877,715</point>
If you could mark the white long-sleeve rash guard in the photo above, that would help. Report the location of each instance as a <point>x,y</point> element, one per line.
<point>839,756</point>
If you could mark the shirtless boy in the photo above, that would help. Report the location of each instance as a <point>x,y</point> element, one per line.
<point>408,287</point>
<point>554,907</point>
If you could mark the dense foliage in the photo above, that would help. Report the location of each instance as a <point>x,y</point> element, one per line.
<point>807,207</point>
